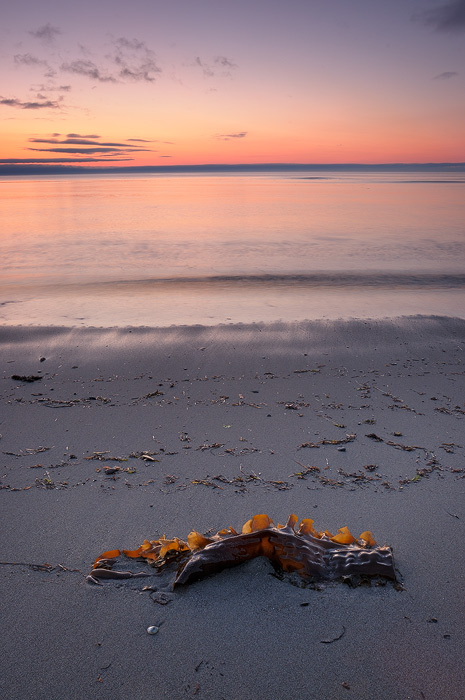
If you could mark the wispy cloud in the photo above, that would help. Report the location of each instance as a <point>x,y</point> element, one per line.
<point>225,62</point>
<point>219,66</point>
<point>47,33</point>
<point>206,70</point>
<point>170,143</point>
<point>27,59</point>
<point>20,104</point>
<point>50,88</point>
<point>447,75</point>
<point>445,18</point>
<point>135,61</point>
<point>87,69</point>
<point>227,137</point>
<point>129,60</point>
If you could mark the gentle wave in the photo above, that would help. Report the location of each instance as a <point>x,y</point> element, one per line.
<point>327,280</point>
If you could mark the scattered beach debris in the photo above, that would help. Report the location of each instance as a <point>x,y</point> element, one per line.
<point>26,378</point>
<point>212,446</point>
<point>294,405</point>
<point>148,456</point>
<point>374,437</point>
<point>114,470</point>
<point>102,572</point>
<point>35,567</point>
<point>307,552</point>
<point>242,402</point>
<point>337,441</point>
<point>48,568</point>
<point>204,482</point>
<point>106,457</point>
<point>161,598</point>
<point>449,447</point>
<point>29,451</point>
<point>236,451</point>
<point>355,477</point>
<point>334,639</point>
<point>170,479</point>
<point>398,445</point>
<point>46,482</point>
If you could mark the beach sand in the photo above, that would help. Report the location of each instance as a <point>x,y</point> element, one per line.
<point>227,416</point>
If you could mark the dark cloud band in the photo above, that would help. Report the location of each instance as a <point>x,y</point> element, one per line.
<point>20,104</point>
<point>227,137</point>
<point>48,161</point>
<point>446,18</point>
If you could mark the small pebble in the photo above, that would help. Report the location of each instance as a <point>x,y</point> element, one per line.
<point>153,629</point>
<point>341,449</point>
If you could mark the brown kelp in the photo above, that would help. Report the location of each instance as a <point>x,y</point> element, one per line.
<point>315,556</point>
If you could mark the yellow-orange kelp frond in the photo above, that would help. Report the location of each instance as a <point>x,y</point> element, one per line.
<point>158,549</point>
<point>258,522</point>
<point>368,538</point>
<point>112,554</point>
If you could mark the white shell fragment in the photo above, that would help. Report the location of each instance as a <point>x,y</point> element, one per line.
<point>153,629</point>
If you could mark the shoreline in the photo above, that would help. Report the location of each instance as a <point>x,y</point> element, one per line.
<point>356,423</point>
<point>139,306</point>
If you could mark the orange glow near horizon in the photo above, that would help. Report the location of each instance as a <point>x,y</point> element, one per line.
<point>309,139</point>
<point>194,149</point>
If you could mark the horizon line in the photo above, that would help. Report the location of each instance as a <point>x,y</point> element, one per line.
<point>50,168</point>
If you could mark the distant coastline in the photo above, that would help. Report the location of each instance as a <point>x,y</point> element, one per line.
<point>30,168</point>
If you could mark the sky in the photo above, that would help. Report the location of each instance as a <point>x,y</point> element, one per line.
<point>170,82</point>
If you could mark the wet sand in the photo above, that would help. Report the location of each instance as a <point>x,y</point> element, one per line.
<point>134,433</point>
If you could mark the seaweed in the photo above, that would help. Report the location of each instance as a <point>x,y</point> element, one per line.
<point>314,555</point>
<point>26,378</point>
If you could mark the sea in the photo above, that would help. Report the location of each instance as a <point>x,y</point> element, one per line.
<point>174,249</point>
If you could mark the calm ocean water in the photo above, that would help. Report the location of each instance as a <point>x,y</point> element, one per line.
<point>158,250</point>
